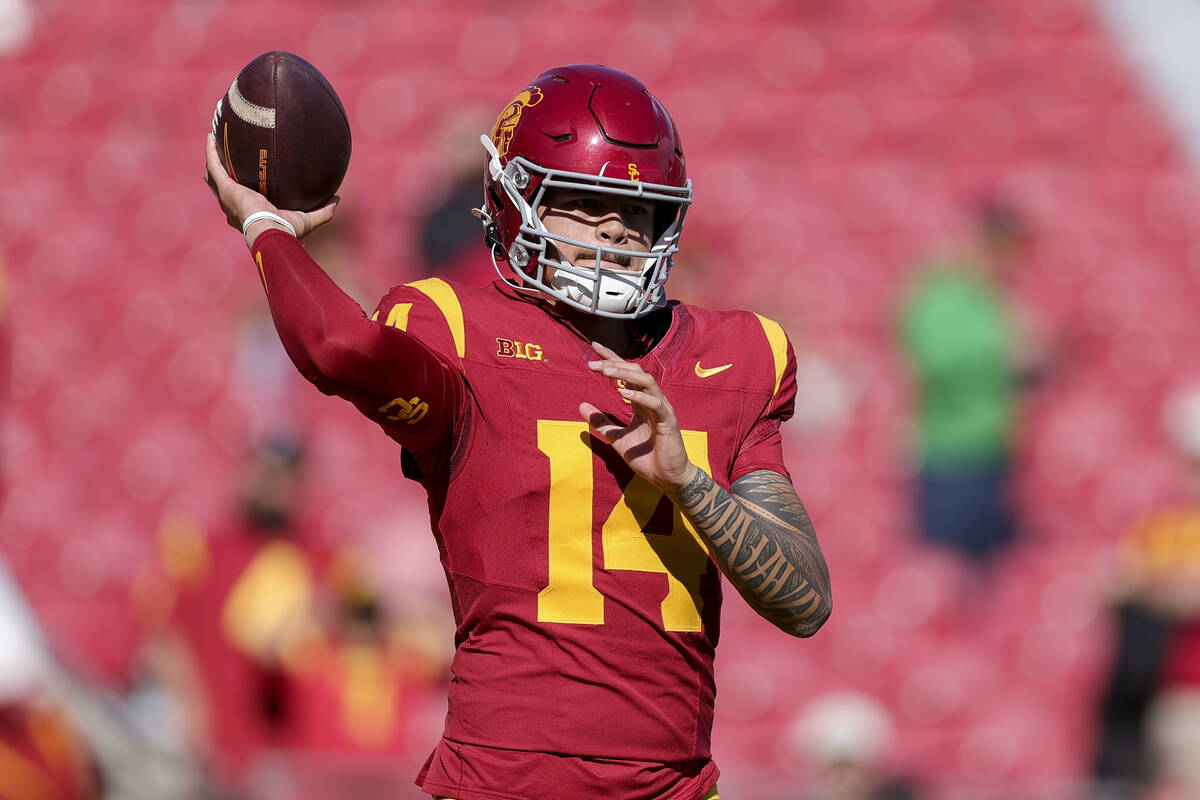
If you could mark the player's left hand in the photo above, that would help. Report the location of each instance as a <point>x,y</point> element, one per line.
<point>650,442</point>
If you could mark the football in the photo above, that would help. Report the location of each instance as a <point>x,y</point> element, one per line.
<point>282,131</point>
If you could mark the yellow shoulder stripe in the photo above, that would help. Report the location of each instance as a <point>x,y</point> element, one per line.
<point>444,298</point>
<point>398,316</point>
<point>778,341</point>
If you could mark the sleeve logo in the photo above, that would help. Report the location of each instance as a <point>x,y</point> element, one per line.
<point>410,411</point>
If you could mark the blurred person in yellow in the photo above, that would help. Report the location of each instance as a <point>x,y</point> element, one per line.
<point>278,645</point>
<point>1150,714</point>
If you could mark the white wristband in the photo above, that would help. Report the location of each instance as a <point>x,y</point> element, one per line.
<point>271,215</point>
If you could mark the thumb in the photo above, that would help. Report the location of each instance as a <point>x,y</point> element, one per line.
<point>311,220</point>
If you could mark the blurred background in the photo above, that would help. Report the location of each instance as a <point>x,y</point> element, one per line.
<point>977,220</point>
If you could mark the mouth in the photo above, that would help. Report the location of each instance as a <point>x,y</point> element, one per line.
<point>612,262</point>
<point>587,258</point>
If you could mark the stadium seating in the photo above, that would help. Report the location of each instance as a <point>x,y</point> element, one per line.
<point>831,151</point>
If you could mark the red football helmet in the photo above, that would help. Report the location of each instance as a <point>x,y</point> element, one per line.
<point>589,128</point>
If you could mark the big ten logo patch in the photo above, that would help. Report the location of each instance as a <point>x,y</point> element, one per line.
<point>510,348</point>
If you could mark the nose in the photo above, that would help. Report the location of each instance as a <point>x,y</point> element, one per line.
<point>611,227</point>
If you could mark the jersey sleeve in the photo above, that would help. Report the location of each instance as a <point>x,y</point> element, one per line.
<point>393,377</point>
<point>762,448</point>
<point>430,311</point>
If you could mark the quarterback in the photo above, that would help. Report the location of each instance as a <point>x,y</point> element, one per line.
<point>596,456</point>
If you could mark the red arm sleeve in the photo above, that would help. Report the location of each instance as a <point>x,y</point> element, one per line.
<point>390,375</point>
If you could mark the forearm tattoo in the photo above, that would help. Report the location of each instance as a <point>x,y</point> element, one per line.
<point>762,539</point>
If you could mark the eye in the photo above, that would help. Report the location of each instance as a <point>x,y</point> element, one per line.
<point>637,209</point>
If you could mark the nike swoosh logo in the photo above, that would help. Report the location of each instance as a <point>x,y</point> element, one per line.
<point>701,372</point>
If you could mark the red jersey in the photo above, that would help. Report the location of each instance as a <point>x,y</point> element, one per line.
<point>587,608</point>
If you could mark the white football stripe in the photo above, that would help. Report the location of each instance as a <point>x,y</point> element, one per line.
<point>248,112</point>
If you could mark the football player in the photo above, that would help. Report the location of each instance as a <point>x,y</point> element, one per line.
<point>595,455</point>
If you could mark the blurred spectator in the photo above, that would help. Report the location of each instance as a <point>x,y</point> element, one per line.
<point>845,739</point>
<point>283,655</point>
<point>41,755</point>
<point>448,234</point>
<point>969,355</point>
<point>240,607</point>
<point>1121,766</point>
<point>1150,711</point>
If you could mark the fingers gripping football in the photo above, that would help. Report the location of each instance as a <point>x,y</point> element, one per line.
<point>239,202</point>
<point>650,442</point>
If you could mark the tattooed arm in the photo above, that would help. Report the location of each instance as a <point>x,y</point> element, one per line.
<point>759,534</point>
<point>762,539</point>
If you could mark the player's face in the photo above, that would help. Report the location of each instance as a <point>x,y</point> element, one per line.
<point>623,223</point>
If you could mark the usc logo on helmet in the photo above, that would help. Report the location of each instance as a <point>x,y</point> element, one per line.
<point>634,173</point>
<point>506,123</point>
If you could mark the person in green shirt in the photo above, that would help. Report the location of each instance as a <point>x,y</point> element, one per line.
<point>961,345</point>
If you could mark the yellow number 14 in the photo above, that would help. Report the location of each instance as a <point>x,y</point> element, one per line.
<point>571,595</point>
